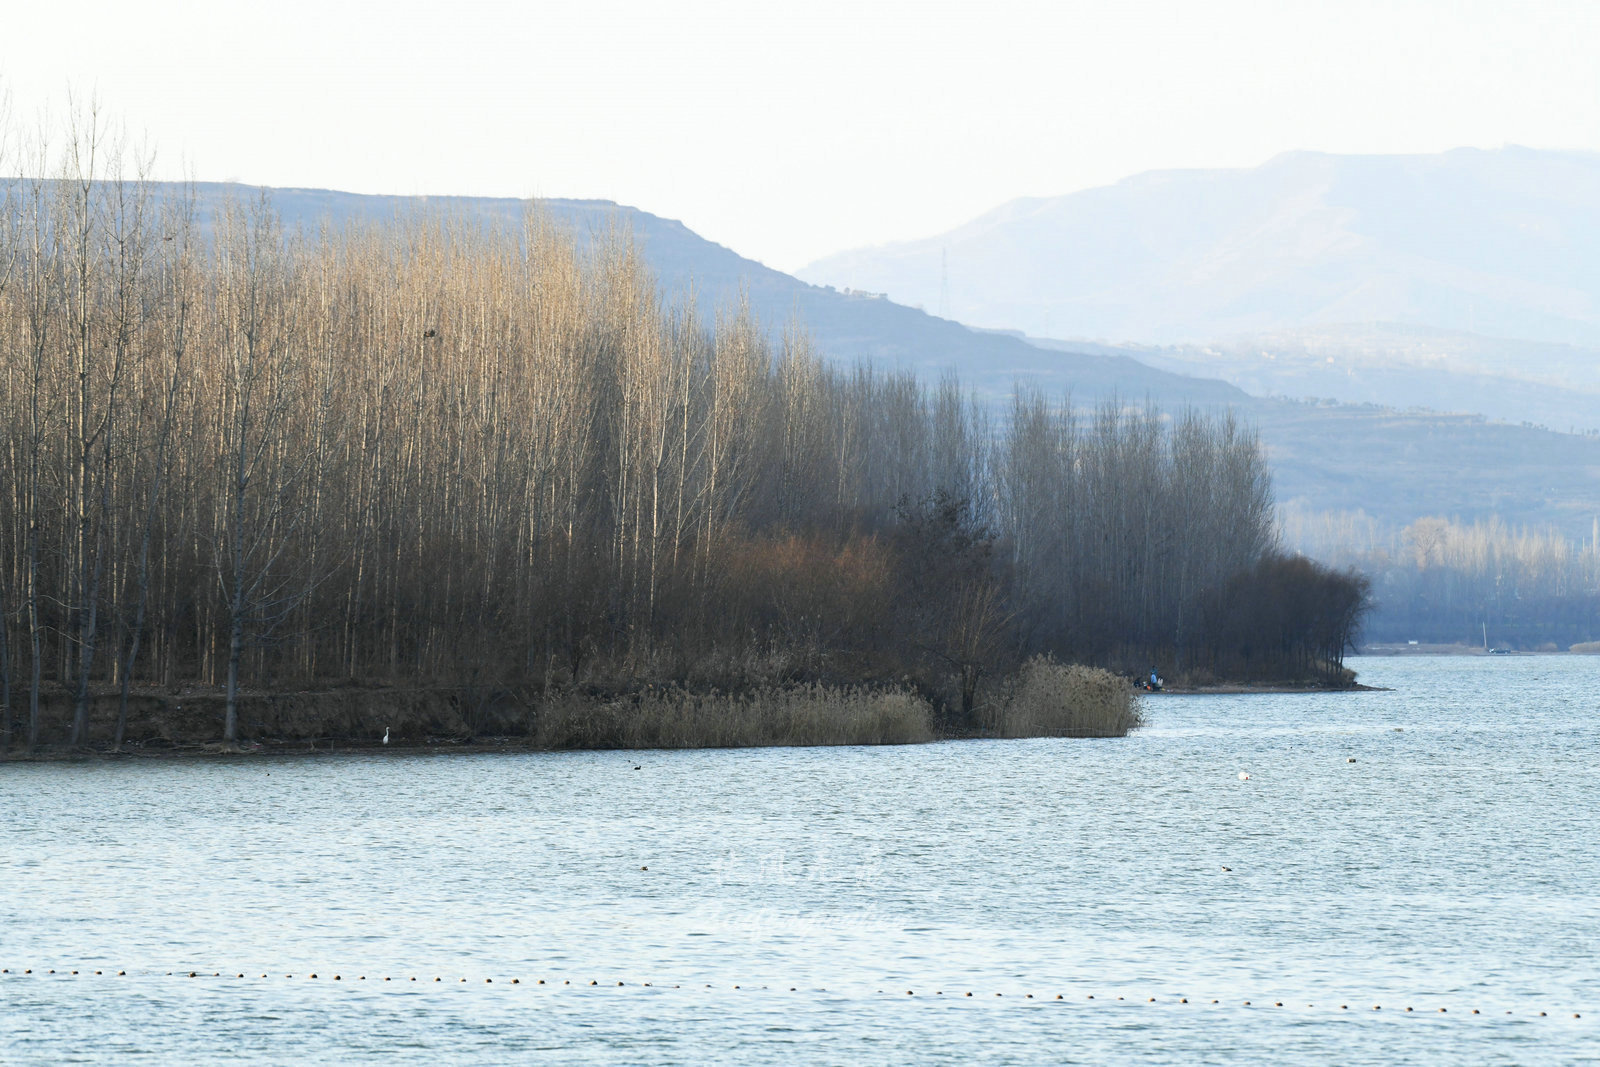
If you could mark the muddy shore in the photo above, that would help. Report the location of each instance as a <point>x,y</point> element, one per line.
<point>186,721</point>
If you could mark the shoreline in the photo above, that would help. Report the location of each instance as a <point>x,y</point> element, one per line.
<point>359,736</point>
<point>1244,688</point>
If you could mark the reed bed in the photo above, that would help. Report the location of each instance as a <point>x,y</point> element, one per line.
<point>679,718</point>
<point>1048,698</point>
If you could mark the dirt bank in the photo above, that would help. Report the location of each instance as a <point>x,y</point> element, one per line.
<point>192,716</point>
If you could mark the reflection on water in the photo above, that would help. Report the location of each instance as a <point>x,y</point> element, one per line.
<point>1453,864</point>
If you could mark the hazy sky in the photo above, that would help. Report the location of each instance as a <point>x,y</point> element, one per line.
<point>791,130</point>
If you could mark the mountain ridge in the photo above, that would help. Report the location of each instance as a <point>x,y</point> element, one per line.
<point>1502,242</point>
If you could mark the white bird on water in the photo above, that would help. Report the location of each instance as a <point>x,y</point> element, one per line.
<point>386,735</point>
<point>1243,776</point>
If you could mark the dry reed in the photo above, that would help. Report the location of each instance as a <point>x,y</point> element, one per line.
<point>1052,699</point>
<point>678,718</point>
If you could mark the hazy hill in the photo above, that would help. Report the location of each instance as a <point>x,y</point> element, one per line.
<point>1399,366</point>
<point>1502,243</point>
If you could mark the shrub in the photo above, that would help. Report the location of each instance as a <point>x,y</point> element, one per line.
<point>1052,699</point>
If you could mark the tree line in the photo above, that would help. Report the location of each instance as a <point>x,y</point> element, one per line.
<point>438,452</point>
<point>1440,580</point>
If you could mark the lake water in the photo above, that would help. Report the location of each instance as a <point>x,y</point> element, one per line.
<point>778,905</point>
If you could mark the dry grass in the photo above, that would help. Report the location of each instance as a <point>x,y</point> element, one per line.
<point>1590,647</point>
<point>1052,699</point>
<point>678,718</point>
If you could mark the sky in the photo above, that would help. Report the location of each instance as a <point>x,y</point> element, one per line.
<point>789,131</point>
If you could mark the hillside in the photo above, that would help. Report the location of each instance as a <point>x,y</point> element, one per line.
<point>1398,366</point>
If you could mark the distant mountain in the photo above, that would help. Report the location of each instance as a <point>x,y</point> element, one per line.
<point>1397,466</point>
<point>1502,243</point>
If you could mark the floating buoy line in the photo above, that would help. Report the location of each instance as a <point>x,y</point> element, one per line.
<point>1332,1006</point>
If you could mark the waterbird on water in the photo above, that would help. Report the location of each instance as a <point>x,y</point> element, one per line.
<point>1244,776</point>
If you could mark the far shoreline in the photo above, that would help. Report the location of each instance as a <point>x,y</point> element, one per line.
<point>1266,688</point>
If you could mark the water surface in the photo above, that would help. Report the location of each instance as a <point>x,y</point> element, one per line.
<point>1454,864</point>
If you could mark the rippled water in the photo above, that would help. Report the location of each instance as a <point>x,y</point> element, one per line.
<point>1455,864</point>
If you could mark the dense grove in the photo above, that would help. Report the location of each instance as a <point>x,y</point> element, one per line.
<point>1450,582</point>
<point>433,453</point>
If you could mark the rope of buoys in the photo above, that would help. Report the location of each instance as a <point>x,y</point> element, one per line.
<point>595,983</point>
